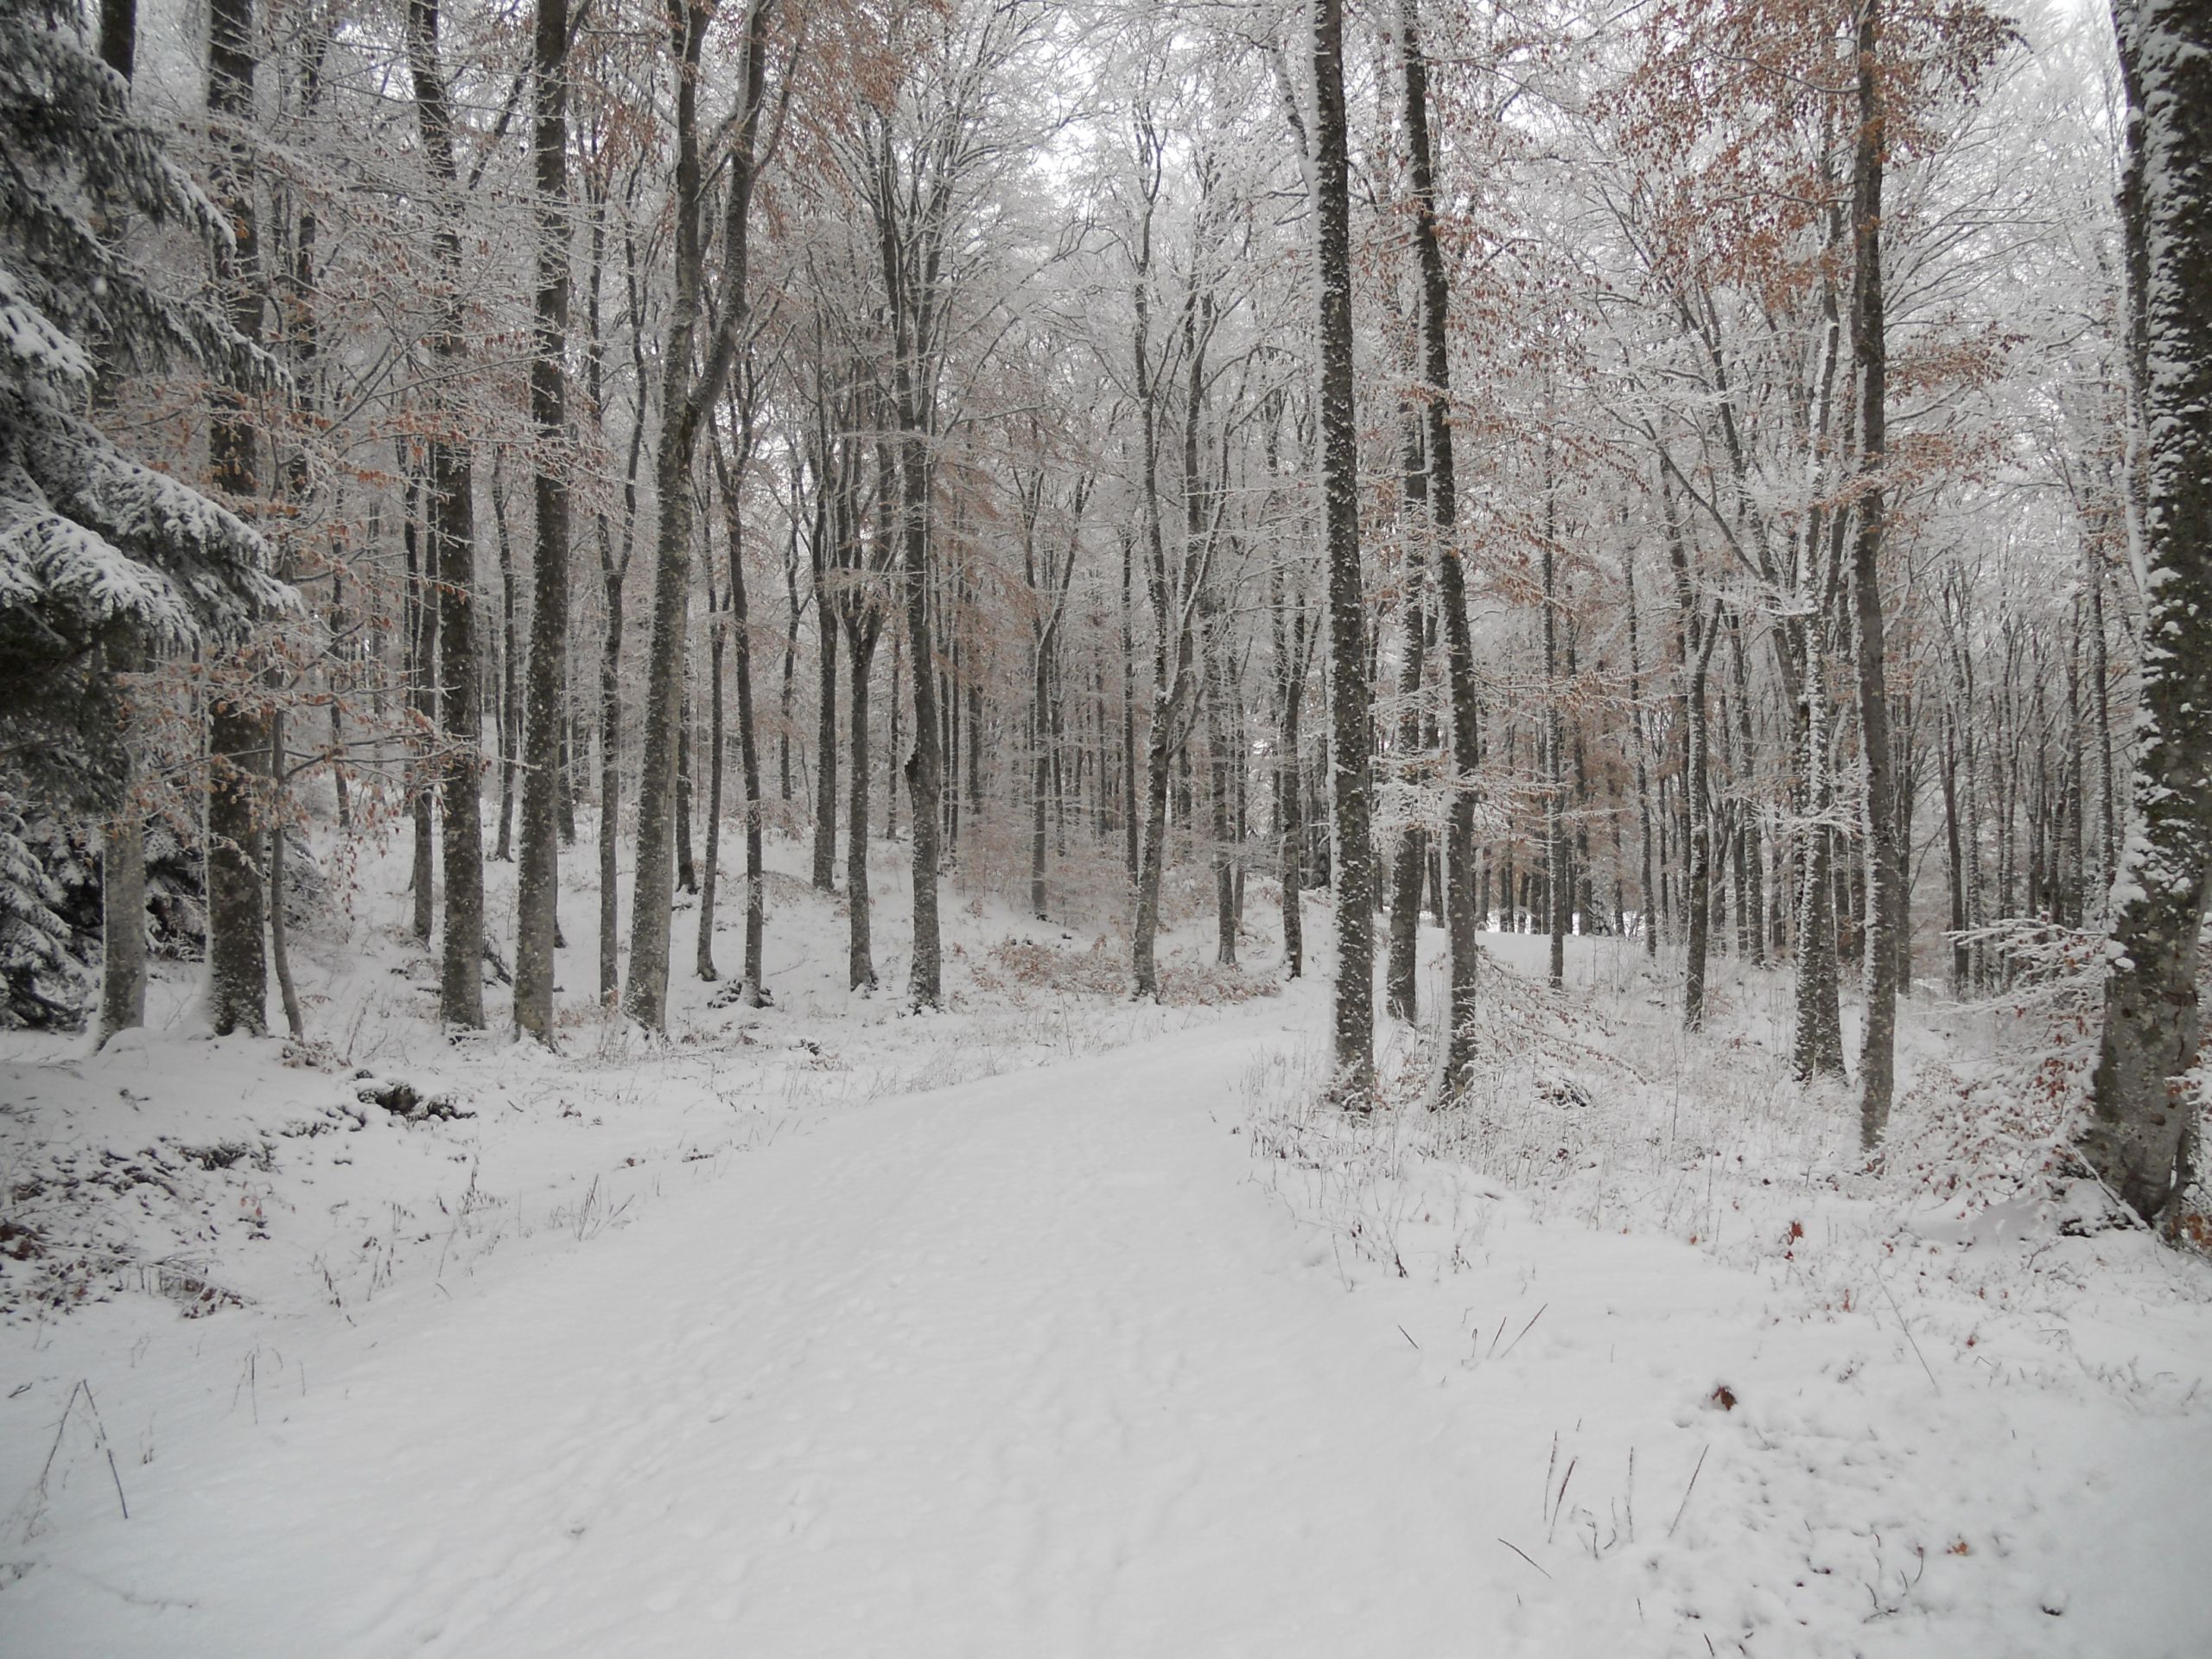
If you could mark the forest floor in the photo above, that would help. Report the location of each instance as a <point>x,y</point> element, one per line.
<point>1049,1325</point>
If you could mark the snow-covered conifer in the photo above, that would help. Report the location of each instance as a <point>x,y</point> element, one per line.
<point>96,548</point>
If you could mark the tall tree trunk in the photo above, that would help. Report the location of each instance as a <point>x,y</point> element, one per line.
<point>545,759</point>
<point>1954,864</point>
<point>123,873</point>
<point>2100,711</point>
<point>687,866</point>
<point>825,729</point>
<point>280,946</point>
<point>1818,1046</point>
<point>755,991</point>
<point>1697,636</point>
<point>1556,877</point>
<point>711,867</point>
<point>453,543</point>
<point>925,767</point>
<point>694,372</point>
<point>122,844</point>
<point>341,682</point>
<point>1463,884</point>
<point>1220,760</point>
<point>1167,684</point>
<point>237,972</point>
<point>784,693</point>
<point>510,719</point>
<point>611,573</point>
<point>1400,972</point>
<point>1885,896</point>
<point>1292,652</point>
<point>861,632</point>
<point>1648,922</point>
<point>1040,765</point>
<point>1750,902</point>
<point>1128,717</point>
<point>423,700</point>
<point>2141,1135</point>
<point>1352,1023</point>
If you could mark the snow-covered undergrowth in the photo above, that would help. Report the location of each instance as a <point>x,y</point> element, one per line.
<point>1640,1354</point>
<point>256,1187</point>
<point>219,1171</point>
<point>1755,1388</point>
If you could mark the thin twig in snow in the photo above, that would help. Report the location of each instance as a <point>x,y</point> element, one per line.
<point>1687,1490</point>
<point>1909,1336</point>
<point>1524,1330</point>
<point>1524,1555</point>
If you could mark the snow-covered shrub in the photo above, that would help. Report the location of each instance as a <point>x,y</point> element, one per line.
<point>1015,967</point>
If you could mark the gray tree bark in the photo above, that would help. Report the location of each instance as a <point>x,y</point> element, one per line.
<point>453,554</point>
<point>537,878</point>
<point>237,969</point>
<point>122,887</point>
<point>1463,884</point>
<point>2141,1135</point>
<point>1885,895</point>
<point>690,391</point>
<point>1352,1022</point>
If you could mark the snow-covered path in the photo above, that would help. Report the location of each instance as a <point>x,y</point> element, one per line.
<point>1031,1366</point>
<point>1050,1364</point>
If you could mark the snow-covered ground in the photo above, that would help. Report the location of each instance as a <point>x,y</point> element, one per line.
<point>1049,1325</point>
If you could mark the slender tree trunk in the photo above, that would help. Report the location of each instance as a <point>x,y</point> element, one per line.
<point>1884,858</point>
<point>1166,687</point>
<point>1040,695</point>
<point>825,729</point>
<point>123,858</point>
<point>1128,719</point>
<point>610,765</point>
<point>687,866</point>
<point>546,818</point>
<point>2101,709</point>
<point>341,682</point>
<point>1751,904</point>
<point>748,745</point>
<point>1220,764</point>
<point>694,372</point>
<point>1697,644</point>
<point>1648,922</point>
<point>280,948</point>
<point>710,870</point>
<point>1402,970</point>
<point>1291,653</point>
<point>1463,898</point>
<point>1555,877</point>
<point>423,696</point>
<point>238,973</point>
<point>861,635</point>
<point>897,701</point>
<point>452,544</point>
<point>1818,1048</point>
<point>1352,1024</point>
<point>510,695</point>
<point>925,767</point>
<point>1954,863</point>
<point>785,693</point>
